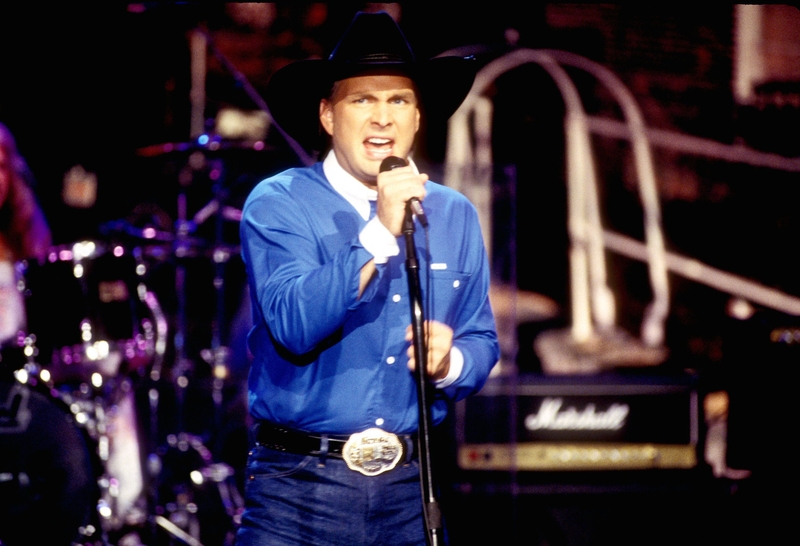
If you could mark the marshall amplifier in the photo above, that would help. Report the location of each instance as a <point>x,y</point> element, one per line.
<point>597,422</point>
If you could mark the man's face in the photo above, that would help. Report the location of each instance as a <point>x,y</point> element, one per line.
<point>370,118</point>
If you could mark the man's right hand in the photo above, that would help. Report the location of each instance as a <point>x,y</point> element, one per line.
<point>395,188</point>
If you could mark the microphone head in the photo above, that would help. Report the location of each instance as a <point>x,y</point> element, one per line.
<point>392,162</point>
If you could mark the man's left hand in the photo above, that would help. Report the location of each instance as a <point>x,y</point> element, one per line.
<point>439,337</point>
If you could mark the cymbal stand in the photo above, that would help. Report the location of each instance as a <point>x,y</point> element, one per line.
<point>218,355</point>
<point>180,367</point>
<point>197,47</point>
<point>183,228</point>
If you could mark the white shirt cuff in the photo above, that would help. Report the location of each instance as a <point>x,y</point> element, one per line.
<point>378,241</point>
<point>456,365</point>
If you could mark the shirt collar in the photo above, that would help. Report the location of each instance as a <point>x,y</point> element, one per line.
<point>356,193</point>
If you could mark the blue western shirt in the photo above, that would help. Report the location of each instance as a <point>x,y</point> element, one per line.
<point>327,361</point>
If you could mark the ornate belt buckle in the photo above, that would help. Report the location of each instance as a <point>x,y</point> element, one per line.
<point>372,452</point>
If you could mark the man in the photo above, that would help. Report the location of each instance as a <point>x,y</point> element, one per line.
<point>331,387</point>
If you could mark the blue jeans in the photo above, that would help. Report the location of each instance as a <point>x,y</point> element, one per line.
<point>307,500</point>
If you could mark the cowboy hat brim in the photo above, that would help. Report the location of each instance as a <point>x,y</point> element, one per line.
<point>294,92</point>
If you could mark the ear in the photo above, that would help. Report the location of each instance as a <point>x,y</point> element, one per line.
<point>416,123</point>
<point>326,115</point>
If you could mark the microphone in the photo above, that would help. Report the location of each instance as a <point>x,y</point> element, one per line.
<point>393,162</point>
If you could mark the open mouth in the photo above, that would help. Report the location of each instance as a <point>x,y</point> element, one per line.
<point>379,146</point>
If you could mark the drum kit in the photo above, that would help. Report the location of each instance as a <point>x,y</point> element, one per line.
<point>112,432</point>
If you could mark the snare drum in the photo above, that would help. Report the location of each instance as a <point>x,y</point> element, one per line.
<point>89,311</point>
<point>48,469</point>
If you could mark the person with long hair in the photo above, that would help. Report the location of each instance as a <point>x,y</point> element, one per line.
<point>24,233</point>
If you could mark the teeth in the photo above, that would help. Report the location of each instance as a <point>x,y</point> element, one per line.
<point>379,141</point>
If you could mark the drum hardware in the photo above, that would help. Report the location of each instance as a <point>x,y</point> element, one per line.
<point>97,399</point>
<point>194,491</point>
<point>122,500</point>
<point>205,144</point>
<point>91,322</point>
<point>173,504</point>
<point>82,358</point>
<point>217,356</point>
<point>176,531</point>
<point>106,412</point>
<point>159,244</point>
<point>48,469</point>
<point>94,327</point>
<point>104,314</point>
<point>219,360</point>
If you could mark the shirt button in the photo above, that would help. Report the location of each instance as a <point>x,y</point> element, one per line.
<point>456,284</point>
<point>390,360</point>
<point>396,298</point>
<point>379,421</point>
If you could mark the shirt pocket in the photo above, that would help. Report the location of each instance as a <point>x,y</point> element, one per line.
<point>449,291</point>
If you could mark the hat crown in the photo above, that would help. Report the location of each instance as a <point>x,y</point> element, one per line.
<point>372,38</point>
<point>372,44</point>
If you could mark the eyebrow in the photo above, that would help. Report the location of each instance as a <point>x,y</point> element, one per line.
<point>405,94</point>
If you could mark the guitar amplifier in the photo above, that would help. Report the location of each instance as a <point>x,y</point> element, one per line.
<point>564,423</point>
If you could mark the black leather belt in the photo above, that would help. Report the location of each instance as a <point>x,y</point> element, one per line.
<point>290,440</point>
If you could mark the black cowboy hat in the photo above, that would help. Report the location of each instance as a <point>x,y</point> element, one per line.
<point>373,43</point>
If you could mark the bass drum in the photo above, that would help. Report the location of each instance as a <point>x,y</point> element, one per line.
<point>89,312</point>
<point>48,470</point>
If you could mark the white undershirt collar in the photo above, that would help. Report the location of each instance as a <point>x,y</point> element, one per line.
<point>356,193</point>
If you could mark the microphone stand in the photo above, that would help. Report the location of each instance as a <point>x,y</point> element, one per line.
<point>430,504</point>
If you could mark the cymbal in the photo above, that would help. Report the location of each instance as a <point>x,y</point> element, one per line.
<point>203,143</point>
<point>152,230</point>
<point>159,243</point>
<point>512,307</point>
<point>509,303</point>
